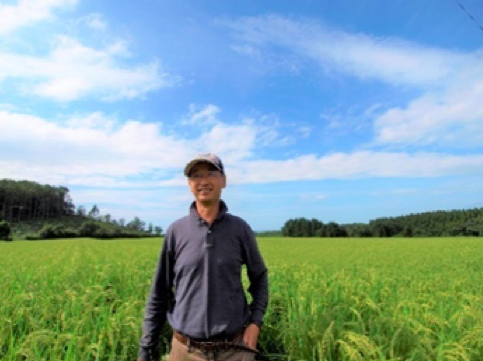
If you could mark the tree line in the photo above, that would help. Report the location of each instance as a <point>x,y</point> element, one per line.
<point>468,222</point>
<point>30,210</point>
<point>25,200</point>
<point>302,227</point>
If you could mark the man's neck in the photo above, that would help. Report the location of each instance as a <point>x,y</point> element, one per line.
<point>208,211</point>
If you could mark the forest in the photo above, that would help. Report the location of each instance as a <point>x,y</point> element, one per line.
<point>452,223</point>
<point>32,211</point>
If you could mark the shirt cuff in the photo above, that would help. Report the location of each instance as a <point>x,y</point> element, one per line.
<point>148,355</point>
<point>259,323</point>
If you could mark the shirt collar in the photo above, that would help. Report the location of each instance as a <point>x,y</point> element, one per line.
<point>221,213</point>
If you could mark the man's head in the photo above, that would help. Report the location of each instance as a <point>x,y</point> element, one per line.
<point>206,177</point>
<point>209,158</point>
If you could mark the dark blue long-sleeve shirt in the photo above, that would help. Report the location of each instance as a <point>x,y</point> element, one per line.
<point>197,285</point>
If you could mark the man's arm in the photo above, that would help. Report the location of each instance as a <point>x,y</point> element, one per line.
<point>258,276</point>
<point>157,305</point>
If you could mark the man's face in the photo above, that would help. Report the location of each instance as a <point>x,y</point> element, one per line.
<point>206,183</point>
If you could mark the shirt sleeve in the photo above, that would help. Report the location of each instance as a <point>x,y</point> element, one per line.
<point>158,303</point>
<point>258,277</point>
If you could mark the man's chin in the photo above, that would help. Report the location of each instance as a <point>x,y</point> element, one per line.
<point>207,200</point>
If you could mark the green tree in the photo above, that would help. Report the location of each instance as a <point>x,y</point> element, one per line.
<point>333,229</point>
<point>25,201</point>
<point>407,232</point>
<point>5,231</point>
<point>136,224</point>
<point>89,228</point>
<point>107,218</point>
<point>81,211</point>
<point>158,231</point>
<point>94,212</point>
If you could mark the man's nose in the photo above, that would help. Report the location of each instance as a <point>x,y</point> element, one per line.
<point>204,179</point>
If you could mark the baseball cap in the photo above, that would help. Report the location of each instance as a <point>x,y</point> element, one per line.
<point>209,158</point>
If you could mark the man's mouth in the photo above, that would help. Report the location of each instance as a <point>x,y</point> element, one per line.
<point>204,190</point>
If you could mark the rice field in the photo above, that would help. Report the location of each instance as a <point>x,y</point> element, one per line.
<point>330,299</point>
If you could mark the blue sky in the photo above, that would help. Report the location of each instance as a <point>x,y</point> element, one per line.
<point>342,111</point>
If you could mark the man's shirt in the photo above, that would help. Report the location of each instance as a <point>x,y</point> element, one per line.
<point>197,284</point>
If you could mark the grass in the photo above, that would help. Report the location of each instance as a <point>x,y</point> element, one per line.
<point>331,299</point>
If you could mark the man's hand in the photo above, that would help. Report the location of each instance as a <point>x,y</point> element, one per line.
<point>250,336</point>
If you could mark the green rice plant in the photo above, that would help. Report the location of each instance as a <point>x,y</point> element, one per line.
<point>330,299</point>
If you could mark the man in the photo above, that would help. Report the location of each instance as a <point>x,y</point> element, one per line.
<point>197,284</point>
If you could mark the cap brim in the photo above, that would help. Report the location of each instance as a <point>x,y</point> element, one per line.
<point>191,164</point>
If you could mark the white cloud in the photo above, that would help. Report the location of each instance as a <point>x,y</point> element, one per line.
<point>93,149</point>
<point>347,119</point>
<point>207,115</point>
<point>270,136</point>
<point>235,142</point>
<point>333,119</point>
<point>450,118</point>
<point>96,22</point>
<point>97,150</point>
<point>260,130</point>
<point>96,120</point>
<point>305,131</point>
<point>448,113</point>
<point>9,107</point>
<point>269,130</point>
<point>72,71</point>
<point>246,50</point>
<point>392,60</point>
<point>28,12</point>
<point>359,164</point>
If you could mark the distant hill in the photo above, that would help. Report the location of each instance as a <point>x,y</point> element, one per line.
<point>465,222</point>
<point>20,229</point>
<point>74,226</point>
<point>36,211</point>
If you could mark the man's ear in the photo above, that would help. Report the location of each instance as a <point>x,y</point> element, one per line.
<point>224,181</point>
